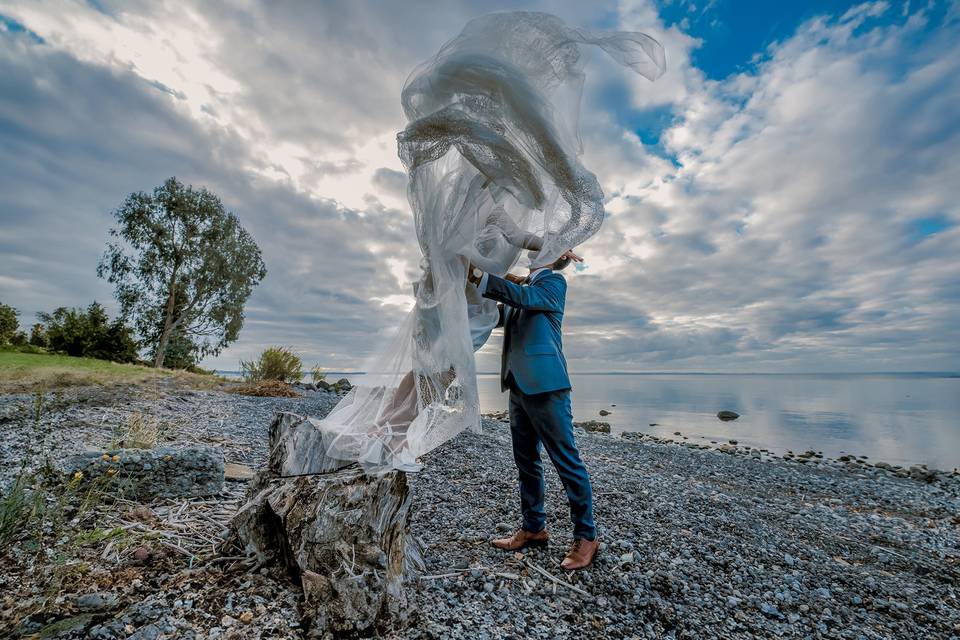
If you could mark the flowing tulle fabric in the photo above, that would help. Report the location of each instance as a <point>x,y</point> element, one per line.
<point>492,152</point>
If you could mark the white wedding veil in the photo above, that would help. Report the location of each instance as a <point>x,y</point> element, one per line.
<point>491,147</point>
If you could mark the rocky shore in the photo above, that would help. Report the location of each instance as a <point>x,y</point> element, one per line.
<point>696,542</point>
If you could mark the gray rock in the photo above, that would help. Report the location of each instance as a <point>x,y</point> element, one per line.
<point>94,602</point>
<point>594,426</point>
<point>143,474</point>
<point>727,416</point>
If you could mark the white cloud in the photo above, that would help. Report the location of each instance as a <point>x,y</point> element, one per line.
<point>781,238</point>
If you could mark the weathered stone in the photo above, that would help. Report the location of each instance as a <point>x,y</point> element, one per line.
<point>594,426</point>
<point>343,533</point>
<point>143,474</point>
<point>727,416</point>
<point>90,602</point>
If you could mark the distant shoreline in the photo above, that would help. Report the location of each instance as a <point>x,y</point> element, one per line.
<point>865,374</point>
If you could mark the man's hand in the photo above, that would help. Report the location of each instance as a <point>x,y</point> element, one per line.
<point>474,275</point>
<point>515,279</point>
<point>570,254</point>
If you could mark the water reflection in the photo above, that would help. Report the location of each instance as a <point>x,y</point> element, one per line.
<point>902,419</point>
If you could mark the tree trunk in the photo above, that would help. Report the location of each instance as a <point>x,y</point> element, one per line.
<point>167,323</point>
<point>343,535</point>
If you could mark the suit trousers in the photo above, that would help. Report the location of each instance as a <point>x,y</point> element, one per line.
<point>546,420</point>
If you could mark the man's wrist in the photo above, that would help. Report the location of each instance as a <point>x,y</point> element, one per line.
<point>474,275</point>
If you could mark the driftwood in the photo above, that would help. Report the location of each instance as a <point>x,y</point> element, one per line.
<point>343,534</point>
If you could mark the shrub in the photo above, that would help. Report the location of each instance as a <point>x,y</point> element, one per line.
<point>14,509</point>
<point>8,323</point>
<point>19,339</point>
<point>38,336</point>
<point>275,363</point>
<point>89,333</point>
<point>318,374</point>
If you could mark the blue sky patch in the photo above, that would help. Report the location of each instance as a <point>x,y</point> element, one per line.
<point>648,124</point>
<point>12,26</point>
<point>732,32</point>
<point>925,227</point>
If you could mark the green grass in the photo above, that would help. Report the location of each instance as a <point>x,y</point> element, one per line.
<point>25,371</point>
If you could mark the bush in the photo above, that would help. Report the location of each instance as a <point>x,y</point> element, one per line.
<point>19,339</point>
<point>318,374</point>
<point>89,333</point>
<point>38,336</point>
<point>8,323</point>
<point>275,363</point>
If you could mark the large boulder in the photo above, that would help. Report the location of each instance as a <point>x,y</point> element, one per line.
<point>144,474</point>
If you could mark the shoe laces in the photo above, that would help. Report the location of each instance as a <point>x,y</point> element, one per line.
<point>577,542</point>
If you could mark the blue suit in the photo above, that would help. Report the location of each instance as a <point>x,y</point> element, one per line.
<point>535,371</point>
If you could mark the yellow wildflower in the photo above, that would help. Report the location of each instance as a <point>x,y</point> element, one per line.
<point>106,456</point>
<point>78,475</point>
<point>116,458</point>
<point>111,471</point>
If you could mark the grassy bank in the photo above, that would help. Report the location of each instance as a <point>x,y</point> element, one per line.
<point>20,372</point>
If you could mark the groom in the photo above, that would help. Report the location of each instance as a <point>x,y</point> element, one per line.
<point>535,371</point>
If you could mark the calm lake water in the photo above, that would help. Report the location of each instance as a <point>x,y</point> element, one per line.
<point>908,418</point>
<point>897,418</point>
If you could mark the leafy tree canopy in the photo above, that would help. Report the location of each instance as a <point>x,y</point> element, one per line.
<point>89,333</point>
<point>181,266</point>
<point>8,323</point>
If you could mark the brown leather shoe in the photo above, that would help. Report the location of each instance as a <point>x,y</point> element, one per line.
<point>581,554</point>
<point>522,539</point>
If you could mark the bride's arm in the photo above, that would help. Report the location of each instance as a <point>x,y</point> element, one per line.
<point>512,231</point>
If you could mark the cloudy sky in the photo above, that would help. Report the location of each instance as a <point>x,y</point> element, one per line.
<point>785,198</point>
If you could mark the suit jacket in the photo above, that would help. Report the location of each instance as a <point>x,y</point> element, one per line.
<point>532,340</point>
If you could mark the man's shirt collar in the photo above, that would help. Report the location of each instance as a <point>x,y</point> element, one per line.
<point>536,274</point>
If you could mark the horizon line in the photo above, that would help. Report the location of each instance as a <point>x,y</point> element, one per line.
<point>943,374</point>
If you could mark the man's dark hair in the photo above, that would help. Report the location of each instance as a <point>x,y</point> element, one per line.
<point>561,263</point>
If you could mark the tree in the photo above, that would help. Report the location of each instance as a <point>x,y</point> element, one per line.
<point>89,333</point>
<point>181,264</point>
<point>181,352</point>
<point>8,323</point>
<point>38,336</point>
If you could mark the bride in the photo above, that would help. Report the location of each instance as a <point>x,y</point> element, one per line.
<point>393,424</point>
<point>492,153</point>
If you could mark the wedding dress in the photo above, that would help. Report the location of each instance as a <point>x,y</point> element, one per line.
<point>491,149</point>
